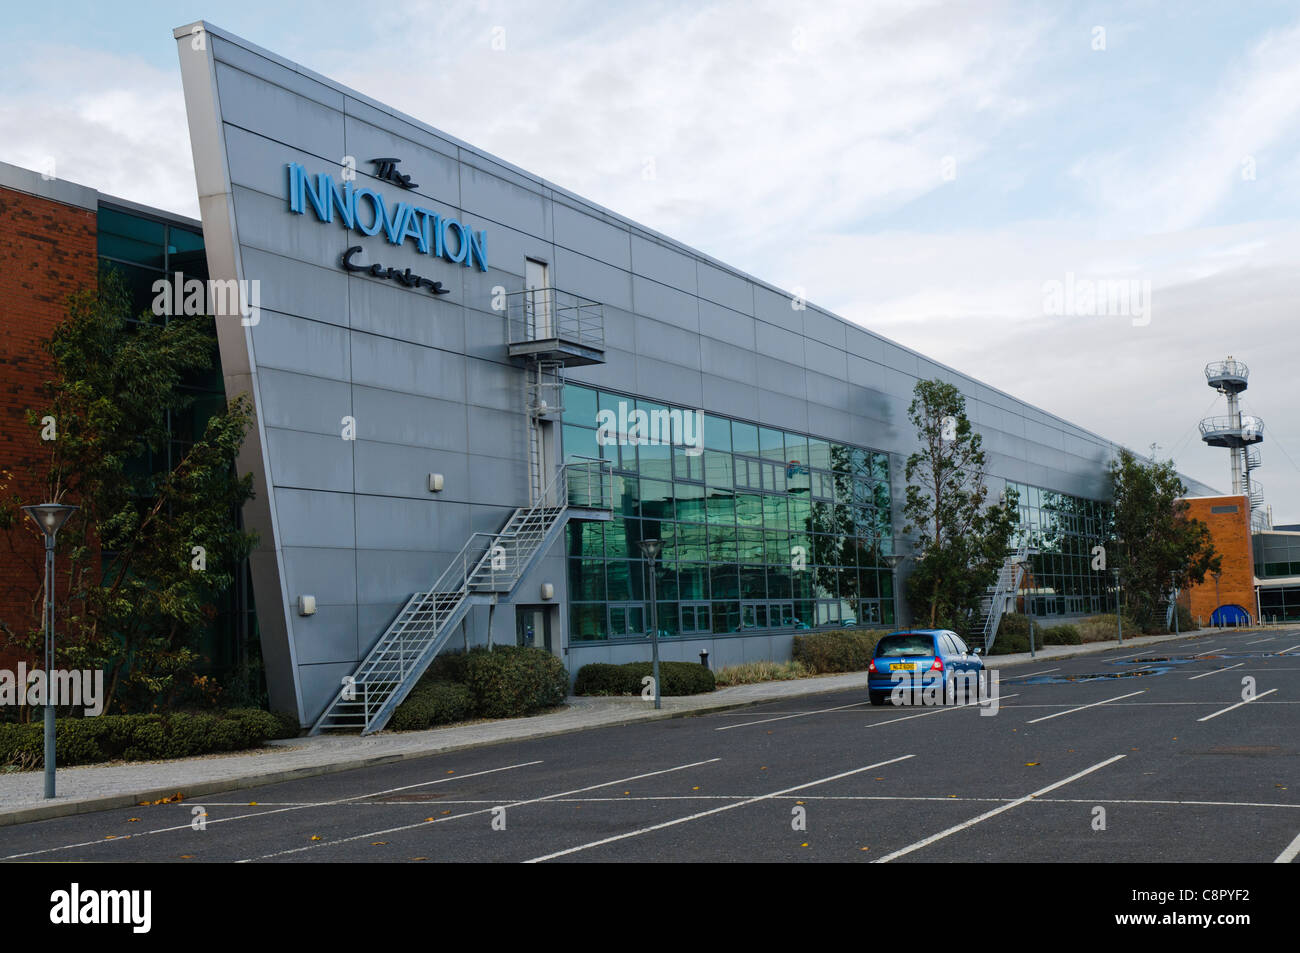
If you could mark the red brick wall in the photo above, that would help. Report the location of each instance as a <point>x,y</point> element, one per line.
<point>1231,533</point>
<point>47,251</point>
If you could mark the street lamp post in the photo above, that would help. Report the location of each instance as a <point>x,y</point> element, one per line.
<point>650,550</point>
<point>49,517</point>
<point>1173,580</point>
<point>1119,618</point>
<point>893,560</point>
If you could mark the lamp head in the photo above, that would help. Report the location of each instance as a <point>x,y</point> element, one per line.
<point>50,517</point>
<point>650,548</point>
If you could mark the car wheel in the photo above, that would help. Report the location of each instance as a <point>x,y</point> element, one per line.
<point>878,698</point>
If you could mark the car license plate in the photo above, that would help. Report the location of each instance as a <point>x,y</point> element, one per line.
<point>903,667</point>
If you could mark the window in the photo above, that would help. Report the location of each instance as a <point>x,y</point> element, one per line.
<point>695,618</point>
<point>626,620</point>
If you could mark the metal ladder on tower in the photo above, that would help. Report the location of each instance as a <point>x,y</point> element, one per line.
<point>488,567</point>
<point>993,602</point>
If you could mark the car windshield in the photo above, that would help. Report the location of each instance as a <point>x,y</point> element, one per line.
<point>906,645</point>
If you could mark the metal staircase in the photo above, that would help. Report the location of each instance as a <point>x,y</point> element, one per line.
<point>994,601</point>
<point>488,567</point>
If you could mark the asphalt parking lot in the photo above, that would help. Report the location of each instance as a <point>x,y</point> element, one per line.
<point>1127,756</point>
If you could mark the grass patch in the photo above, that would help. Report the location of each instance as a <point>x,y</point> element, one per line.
<point>765,671</point>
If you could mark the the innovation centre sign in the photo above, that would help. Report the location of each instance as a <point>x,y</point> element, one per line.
<point>366,211</point>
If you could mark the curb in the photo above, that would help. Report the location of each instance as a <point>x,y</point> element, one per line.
<point>217,786</point>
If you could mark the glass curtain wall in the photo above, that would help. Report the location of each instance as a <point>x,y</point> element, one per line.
<point>1063,529</point>
<point>763,530</point>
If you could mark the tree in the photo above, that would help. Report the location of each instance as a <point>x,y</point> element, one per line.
<point>1154,537</point>
<point>963,541</point>
<point>150,548</point>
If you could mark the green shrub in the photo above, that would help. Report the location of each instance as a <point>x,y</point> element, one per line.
<point>511,680</point>
<point>287,725</point>
<point>1014,623</point>
<point>836,651</point>
<point>1061,635</point>
<point>137,737</point>
<point>1010,643</point>
<point>433,703</point>
<point>602,678</point>
<point>676,678</point>
<point>448,668</point>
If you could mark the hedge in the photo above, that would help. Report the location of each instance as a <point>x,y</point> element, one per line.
<point>511,680</point>
<point>676,678</point>
<point>433,703</point>
<point>1061,635</point>
<point>138,737</point>
<point>839,650</point>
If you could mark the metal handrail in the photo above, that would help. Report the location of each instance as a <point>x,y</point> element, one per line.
<point>543,314</point>
<point>1228,368</point>
<point>1249,425</point>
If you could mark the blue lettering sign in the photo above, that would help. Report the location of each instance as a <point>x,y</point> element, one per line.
<point>428,230</point>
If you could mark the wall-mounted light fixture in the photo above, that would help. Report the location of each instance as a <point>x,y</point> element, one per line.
<point>306,605</point>
<point>548,591</point>
<point>435,482</point>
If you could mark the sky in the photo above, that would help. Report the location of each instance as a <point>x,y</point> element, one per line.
<point>954,176</point>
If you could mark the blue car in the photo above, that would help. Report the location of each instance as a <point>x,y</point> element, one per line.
<point>925,664</point>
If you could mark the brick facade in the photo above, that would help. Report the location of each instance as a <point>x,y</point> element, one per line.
<point>1231,531</point>
<point>47,251</point>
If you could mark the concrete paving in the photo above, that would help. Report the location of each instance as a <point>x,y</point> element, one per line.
<point>91,788</point>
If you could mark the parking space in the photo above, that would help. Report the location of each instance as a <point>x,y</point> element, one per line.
<point>1180,765</point>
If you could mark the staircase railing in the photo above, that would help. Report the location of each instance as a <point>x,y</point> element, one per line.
<point>1008,582</point>
<point>488,565</point>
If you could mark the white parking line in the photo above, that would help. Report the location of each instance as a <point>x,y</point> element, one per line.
<point>1216,671</point>
<point>1032,674</point>
<point>1284,651</point>
<point>996,811</point>
<point>453,817</point>
<point>1290,853</point>
<point>1130,655</point>
<point>1082,707</point>
<point>936,711</point>
<point>1238,705</point>
<point>1257,641</point>
<point>716,810</point>
<point>1209,651</point>
<point>798,714</point>
<point>240,817</point>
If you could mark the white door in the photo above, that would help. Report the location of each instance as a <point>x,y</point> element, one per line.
<point>537,303</point>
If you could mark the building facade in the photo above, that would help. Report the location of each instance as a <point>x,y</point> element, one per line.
<point>400,411</point>
<point>479,396</point>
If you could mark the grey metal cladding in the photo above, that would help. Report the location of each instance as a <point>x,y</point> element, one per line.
<point>665,265</point>
<point>608,284</point>
<point>269,109</point>
<point>310,461</point>
<point>503,201</point>
<point>591,236</point>
<point>727,325</point>
<point>724,288</point>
